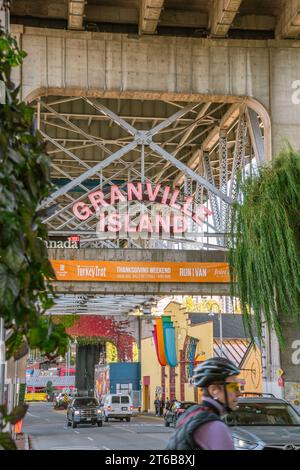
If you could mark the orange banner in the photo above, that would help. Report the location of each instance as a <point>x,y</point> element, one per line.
<point>136,271</point>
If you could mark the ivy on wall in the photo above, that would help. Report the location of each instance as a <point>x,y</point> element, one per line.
<point>265,245</point>
<point>66,320</point>
<point>106,328</point>
<point>87,340</point>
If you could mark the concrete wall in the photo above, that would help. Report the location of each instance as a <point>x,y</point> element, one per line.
<point>118,254</point>
<point>290,363</point>
<point>163,288</point>
<point>116,65</point>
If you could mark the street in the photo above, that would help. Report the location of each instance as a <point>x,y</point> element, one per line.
<point>48,431</point>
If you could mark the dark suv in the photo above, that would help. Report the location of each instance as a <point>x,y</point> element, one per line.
<point>84,410</point>
<point>264,423</point>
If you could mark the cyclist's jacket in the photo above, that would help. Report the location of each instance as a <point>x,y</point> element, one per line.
<point>201,428</point>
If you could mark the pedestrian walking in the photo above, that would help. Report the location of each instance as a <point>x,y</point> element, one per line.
<point>200,427</point>
<point>168,404</point>
<point>161,407</point>
<point>156,405</point>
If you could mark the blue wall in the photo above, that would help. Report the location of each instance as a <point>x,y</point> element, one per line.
<point>124,373</point>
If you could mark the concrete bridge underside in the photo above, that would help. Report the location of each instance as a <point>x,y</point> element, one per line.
<point>264,72</point>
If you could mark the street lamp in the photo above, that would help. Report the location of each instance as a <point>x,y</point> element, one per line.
<point>211,314</point>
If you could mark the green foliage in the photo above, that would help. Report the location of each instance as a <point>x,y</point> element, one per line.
<point>14,416</point>
<point>72,361</point>
<point>265,237</point>
<point>49,389</point>
<point>24,183</point>
<point>86,340</point>
<point>22,391</point>
<point>66,320</point>
<point>6,441</point>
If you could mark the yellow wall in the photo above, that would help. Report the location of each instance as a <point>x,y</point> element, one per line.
<point>35,397</point>
<point>150,366</point>
<point>204,333</point>
<point>252,376</point>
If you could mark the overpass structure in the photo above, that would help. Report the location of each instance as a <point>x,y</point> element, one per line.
<point>187,112</point>
<point>137,261</point>
<point>175,94</point>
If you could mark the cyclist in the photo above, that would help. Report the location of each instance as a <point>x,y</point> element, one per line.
<point>201,427</point>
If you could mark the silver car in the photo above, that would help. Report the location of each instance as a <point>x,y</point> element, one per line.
<point>265,423</point>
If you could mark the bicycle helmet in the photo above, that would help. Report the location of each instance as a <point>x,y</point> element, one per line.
<point>213,370</point>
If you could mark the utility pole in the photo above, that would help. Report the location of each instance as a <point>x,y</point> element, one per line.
<point>221,332</point>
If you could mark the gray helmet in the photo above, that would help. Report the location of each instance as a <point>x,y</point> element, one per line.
<point>213,370</point>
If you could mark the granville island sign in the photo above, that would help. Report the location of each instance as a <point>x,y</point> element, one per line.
<point>141,210</point>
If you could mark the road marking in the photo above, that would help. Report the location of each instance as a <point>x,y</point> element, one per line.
<point>106,448</point>
<point>75,448</point>
<point>46,419</point>
<point>90,439</point>
<point>31,414</point>
<point>77,432</point>
<point>128,430</point>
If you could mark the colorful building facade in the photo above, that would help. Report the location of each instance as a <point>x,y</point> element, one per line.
<point>193,344</point>
<point>197,339</point>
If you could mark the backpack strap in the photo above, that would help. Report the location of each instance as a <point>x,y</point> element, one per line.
<point>194,417</point>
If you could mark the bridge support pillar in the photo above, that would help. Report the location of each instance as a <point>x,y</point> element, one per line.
<point>87,356</point>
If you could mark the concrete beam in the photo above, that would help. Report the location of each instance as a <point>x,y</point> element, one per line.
<point>288,25</point>
<point>254,22</point>
<point>76,14</point>
<point>222,15</point>
<point>144,288</point>
<point>41,9</point>
<point>183,19</point>
<point>150,11</point>
<point>117,254</point>
<point>108,14</point>
<point>226,122</point>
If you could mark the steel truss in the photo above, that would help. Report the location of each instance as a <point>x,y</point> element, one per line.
<point>210,182</point>
<point>106,305</point>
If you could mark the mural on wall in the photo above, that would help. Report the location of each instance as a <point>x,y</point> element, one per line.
<point>102,384</point>
<point>189,353</point>
<point>117,332</point>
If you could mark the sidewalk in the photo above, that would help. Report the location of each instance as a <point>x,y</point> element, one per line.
<point>22,441</point>
<point>150,414</point>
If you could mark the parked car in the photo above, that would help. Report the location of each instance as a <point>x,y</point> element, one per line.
<point>62,400</point>
<point>175,411</point>
<point>264,422</point>
<point>84,410</point>
<point>117,406</point>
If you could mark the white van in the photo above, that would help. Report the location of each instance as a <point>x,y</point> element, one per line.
<point>117,406</point>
